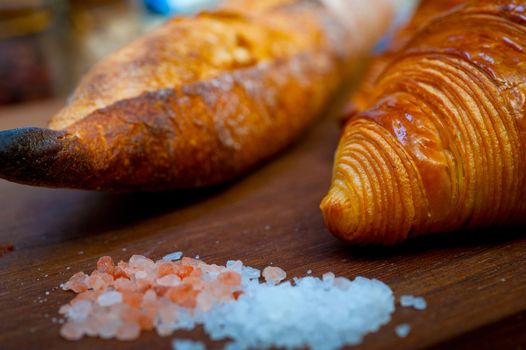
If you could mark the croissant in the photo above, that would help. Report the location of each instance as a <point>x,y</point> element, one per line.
<point>440,144</point>
<point>200,100</point>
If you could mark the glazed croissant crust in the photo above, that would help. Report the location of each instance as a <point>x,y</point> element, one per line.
<point>200,100</point>
<point>439,141</point>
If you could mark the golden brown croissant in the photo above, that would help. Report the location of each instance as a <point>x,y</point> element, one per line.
<point>200,100</point>
<point>441,145</point>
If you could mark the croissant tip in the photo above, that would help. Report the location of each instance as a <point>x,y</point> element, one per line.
<point>27,154</point>
<point>338,215</point>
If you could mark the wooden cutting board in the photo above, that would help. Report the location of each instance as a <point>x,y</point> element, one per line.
<point>474,282</point>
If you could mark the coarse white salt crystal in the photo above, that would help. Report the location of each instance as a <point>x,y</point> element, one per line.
<point>234,265</point>
<point>418,303</point>
<point>407,300</point>
<point>183,344</point>
<point>403,330</point>
<point>79,311</point>
<point>109,298</point>
<point>328,278</point>
<point>109,327</point>
<point>250,272</point>
<point>309,272</point>
<point>173,256</point>
<point>307,314</point>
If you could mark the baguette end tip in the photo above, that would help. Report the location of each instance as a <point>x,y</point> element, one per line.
<point>29,155</point>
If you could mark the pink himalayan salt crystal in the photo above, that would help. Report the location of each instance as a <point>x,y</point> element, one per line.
<point>76,283</point>
<point>72,331</point>
<point>230,278</point>
<point>141,262</point>
<point>118,301</point>
<point>105,264</point>
<point>169,281</point>
<point>128,331</point>
<point>99,281</point>
<point>124,285</point>
<point>274,275</point>
<point>141,275</point>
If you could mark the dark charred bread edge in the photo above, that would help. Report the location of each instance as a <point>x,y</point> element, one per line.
<point>40,156</point>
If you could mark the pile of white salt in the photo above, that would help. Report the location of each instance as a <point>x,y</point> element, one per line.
<point>231,302</point>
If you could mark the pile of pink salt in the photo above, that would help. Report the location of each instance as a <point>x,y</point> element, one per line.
<point>229,302</point>
<point>119,301</point>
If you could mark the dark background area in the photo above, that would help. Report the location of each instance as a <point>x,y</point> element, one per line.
<point>47,45</point>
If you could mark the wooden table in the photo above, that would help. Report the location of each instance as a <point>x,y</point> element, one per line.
<point>474,282</point>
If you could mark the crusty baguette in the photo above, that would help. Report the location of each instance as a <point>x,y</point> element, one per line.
<point>441,144</point>
<point>200,100</point>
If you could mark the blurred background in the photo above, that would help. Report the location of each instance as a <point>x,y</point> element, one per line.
<point>47,45</point>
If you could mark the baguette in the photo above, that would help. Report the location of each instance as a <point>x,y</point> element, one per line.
<point>200,100</point>
<point>440,143</point>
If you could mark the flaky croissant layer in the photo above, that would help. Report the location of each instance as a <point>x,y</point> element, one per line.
<point>442,144</point>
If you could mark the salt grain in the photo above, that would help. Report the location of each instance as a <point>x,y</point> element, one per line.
<point>169,281</point>
<point>109,298</point>
<point>128,330</point>
<point>403,330</point>
<point>141,275</point>
<point>418,303</point>
<point>274,275</point>
<point>79,311</point>
<point>182,344</point>
<point>71,331</point>
<point>173,256</point>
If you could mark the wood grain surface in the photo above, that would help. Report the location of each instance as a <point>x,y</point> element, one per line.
<point>474,282</point>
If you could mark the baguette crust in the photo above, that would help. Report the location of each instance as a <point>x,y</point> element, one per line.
<point>202,99</point>
<point>441,145</point>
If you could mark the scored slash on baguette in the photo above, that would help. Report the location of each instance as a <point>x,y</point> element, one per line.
<point>199,101</point>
